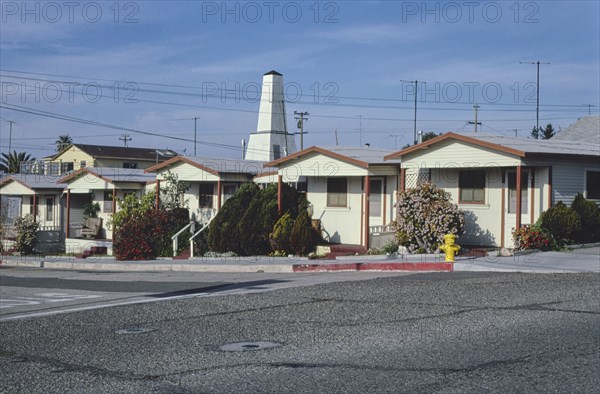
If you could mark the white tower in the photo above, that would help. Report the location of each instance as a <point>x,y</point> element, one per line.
<point>271,139</point>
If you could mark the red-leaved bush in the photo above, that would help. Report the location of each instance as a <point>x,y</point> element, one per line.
<point>142,237</point>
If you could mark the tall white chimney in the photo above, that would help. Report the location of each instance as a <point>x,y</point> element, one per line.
<point>271,138</point>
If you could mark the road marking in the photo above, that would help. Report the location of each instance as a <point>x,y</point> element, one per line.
<point>42,298</point>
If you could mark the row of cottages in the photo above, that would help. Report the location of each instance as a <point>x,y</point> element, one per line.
<point>353,191</point>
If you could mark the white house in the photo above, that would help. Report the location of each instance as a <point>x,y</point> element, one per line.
<point>211,181</point>
<point>486,173</point>
<point>352,190</point>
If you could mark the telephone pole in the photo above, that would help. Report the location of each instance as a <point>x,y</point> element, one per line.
<point>415,120</point>
<point>537,86</point>
<point>125,138</point>
<point>301,118</point>
<point>476,106</point>
<point>10,135</point>
<point>359,129</point>
<point>195,118</point>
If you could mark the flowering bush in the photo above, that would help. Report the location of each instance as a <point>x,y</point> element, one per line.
<point>26,231</point>
<point>532,237</point>
<point>424,215</point>
<point>139,237</point>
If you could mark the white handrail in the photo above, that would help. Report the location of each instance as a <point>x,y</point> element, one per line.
<point>174,238</point>
<point>197,233</point>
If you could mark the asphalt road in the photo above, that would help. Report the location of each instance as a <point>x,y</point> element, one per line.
<point>446,332</point>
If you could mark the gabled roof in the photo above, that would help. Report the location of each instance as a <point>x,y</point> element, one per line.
<point>112,175</point>
<point>586,129</point>
<point>34,181</point>
<point>361,157</point>
<point>515,146</point>
<point>121,152</point>
<point>214,165</point>
<point>273,72</point>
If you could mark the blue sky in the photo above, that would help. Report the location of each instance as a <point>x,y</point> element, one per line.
<point>96,70</point>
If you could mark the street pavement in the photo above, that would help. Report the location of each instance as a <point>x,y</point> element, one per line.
<point>423,332</point>
<point>578,260</point>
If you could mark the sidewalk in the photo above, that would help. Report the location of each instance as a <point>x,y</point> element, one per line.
<point>579,260</point>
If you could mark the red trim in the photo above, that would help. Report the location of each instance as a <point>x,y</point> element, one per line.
<point>402,179</point>
<point>219,191</point>
<point>157,200</point>
<point>458,137</point>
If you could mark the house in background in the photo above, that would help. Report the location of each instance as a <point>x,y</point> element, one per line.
<point>502,183</point>
<point>77,156</point>
<point>211,181</point>
<point>102,186</point>
<point>586,129</point>
<point>40,196</point>
<point>352,190</point>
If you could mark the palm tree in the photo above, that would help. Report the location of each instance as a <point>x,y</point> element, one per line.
<point>11,163</point>
<point>63,141</point>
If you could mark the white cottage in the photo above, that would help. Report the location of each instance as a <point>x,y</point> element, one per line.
<point>102,186</point>
<point>352,190</point>
<point>211,180</point>
<point>500,182</point>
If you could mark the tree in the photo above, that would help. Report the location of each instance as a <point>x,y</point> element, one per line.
<point>429,135</point>
<point>11,163</point>
<point>172,195</point>
<point>548,132</point>
<point>63,141</point>
<point>535,132</point>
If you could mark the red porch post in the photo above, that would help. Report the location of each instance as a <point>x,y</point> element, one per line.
<point>34,207</point>
<point>402,179</point>
<point>279,193</point>
<point>367,208</point>
<point>68,216</point>
<point>519,193</point>
<point>157,199</point>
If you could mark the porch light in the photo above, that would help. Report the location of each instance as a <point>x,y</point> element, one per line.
<point>310,210</point>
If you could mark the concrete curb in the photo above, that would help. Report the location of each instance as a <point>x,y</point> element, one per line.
<point>384,266</point>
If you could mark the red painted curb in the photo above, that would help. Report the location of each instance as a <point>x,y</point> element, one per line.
<point>446,267</point>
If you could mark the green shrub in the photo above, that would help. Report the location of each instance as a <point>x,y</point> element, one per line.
<point>26,228</point>
<point>424,215</point>
<point>224,232</point>
<point>257,222</point>
<point>562,222</point>
<point>589,214</point>
<point>91,209</point>
<point>302,237</point>
<point>280,237</point>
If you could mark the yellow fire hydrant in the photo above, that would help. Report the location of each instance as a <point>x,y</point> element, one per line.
<point>449,247</point>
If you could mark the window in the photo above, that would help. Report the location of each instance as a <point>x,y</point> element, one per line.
<point>471,186</point>
<point>49,209</point>
<point>130,164</point>
<point>337,192</point>
<point>276,152</point>
<point>82,164</point>
<point>31,204</point>
<point>592,185</point>
<point>66,167</point>
<point>228,191</point>
<point>108,202</point>
<point>205,195</point>
<point>375,198</point>
<point>512,192</point>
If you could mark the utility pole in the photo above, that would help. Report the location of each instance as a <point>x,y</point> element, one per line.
<point>516,133</point>
<point>195,118</point>
<point>301,118</point>
<point>125,138</point>
<point>476,106</point>
<point>360,129</point>
<point>537,85</point>
<point>415,120</point>
<point>10,135</point>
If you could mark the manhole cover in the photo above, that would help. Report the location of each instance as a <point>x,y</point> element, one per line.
<point>245,346</point>
<point>133,331</point>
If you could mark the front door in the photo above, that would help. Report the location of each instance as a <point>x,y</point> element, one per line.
<point>510,207</point>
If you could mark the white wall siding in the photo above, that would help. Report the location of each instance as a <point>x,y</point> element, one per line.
<point>319,166</point>
<point>458,154</point>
